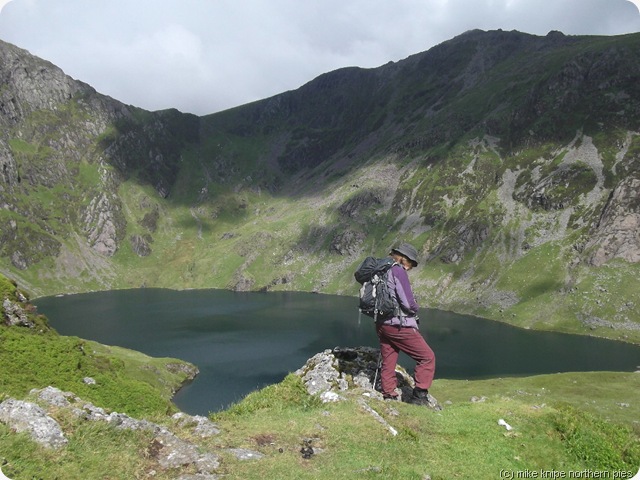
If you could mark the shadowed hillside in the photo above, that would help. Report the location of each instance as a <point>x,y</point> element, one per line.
<point>510,160</point>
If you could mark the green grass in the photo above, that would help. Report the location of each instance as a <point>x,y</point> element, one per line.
<point>554,428</point>
<point>95,450</point>
<point>7,288</point>
<point>127,381</point>
<point>22,148</point>
<point>38,357</point>
<point>462,441</point>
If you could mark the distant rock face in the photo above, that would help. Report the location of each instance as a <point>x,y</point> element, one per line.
<point>26,88</point>
<point>101,224</point>
<point>466,236</point>
<point>140,245</point>
<point>347,242</point>
<point>618,232</point>
<point>9,176</point>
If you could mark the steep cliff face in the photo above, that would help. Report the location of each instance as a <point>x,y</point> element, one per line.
<point>30,84</point>
<point>617,234</point>
<point>71,148</point>
<point>509,160</point>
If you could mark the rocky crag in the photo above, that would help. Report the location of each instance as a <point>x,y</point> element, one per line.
<point>510,161</point>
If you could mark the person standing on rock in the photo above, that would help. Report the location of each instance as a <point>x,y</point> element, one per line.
<point>400,332</point>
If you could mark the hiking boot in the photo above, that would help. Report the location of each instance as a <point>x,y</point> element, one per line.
<point>422,397</point>
<point>419,397</point>
<point>391,398</point>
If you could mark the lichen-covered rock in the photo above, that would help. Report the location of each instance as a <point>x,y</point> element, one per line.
<point>28,417</point>
<point>344,368</point>
<point>202,426</point>
<point>167,448</point>
<point>173,452</point>
<point>245,454</point>
<point>14,314</point>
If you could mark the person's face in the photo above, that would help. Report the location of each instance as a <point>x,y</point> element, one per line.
<point>406,263</point>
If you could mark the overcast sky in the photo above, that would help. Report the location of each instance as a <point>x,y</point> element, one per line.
<point>203,56</point>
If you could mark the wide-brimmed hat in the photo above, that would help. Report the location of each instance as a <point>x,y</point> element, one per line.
<point>408,251</point>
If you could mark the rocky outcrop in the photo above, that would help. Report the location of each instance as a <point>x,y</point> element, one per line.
<point>465,237</point>
<point>559,190</point>
<point>617,234</point>
<point>15,315</point>
<point>102,218</point>
<point>28,417</point>
<point>56,133</point>
<point>31,84</point>
<point>360,202</point>
<point>348,242</point>
<point>333,373</point>
<point>168,449</point>
<point>9,176</point>
<point>140,244</point>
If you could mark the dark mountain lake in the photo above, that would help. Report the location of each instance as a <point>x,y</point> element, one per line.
<point>242,341</point>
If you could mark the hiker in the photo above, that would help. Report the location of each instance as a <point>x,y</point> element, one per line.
<point>400,331</point>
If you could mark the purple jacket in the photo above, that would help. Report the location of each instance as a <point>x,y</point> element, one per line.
<point>398,282</point>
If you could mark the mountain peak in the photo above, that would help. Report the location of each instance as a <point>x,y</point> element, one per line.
<point>494,152</point>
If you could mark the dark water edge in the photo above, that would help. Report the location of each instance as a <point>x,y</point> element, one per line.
<point>243,341</point>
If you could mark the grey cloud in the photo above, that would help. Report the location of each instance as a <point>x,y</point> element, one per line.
<point>203,57</point>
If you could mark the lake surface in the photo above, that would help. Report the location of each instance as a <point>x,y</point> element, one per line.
<point>242,341</point>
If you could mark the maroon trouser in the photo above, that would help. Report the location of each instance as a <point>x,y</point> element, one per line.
<point>410,341</point>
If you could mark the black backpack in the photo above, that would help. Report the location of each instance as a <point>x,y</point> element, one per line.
<point>376,300</point>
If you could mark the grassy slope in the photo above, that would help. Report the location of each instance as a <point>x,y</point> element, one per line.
<point>558,424</point>
<point>126,380</point>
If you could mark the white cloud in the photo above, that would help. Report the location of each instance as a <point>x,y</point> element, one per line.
<point>204,56</point>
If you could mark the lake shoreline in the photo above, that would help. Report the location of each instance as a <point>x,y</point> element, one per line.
<point>243,341</point>
<point>550,329</point>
